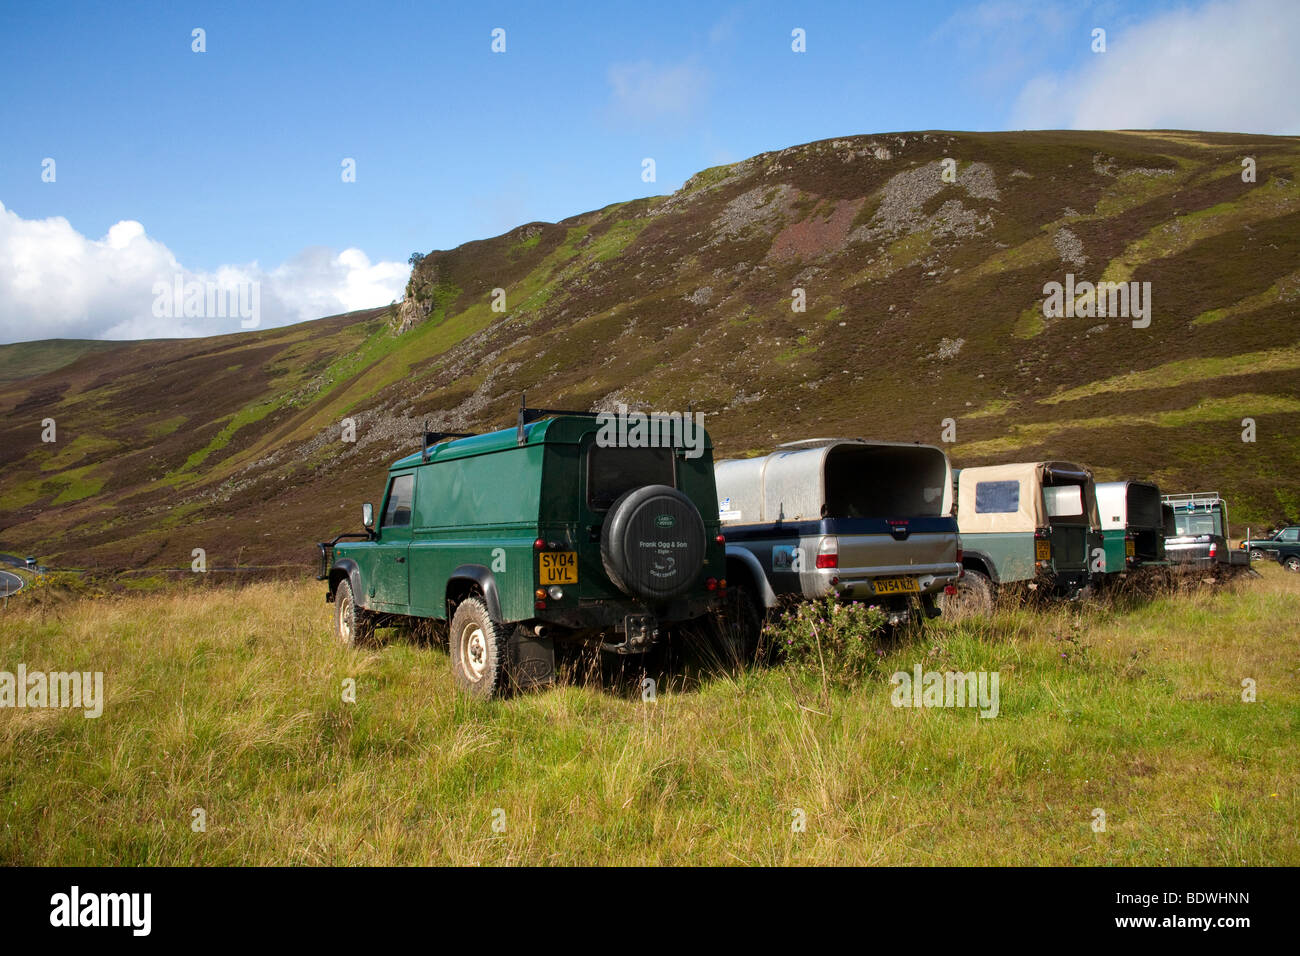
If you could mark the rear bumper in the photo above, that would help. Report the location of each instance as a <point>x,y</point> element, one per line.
<point>1068,581</point>
<point>859,584</point>
<point>611,615</point>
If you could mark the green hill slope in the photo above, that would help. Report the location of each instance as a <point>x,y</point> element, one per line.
<point>923,303</point>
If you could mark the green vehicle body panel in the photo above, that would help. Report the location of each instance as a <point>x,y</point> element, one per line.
<point>1010,554</point>
<point>1113,543</point>
<point>479,505</point>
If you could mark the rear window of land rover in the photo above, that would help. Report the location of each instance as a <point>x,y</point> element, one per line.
<point>613,470</point>
<point>1064,502</point>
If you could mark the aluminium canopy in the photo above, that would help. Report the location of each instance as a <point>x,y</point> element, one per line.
<point>1129,504</point>
<point>835,478</point>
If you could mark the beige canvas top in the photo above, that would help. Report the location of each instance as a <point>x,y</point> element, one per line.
<point>1031,511</point>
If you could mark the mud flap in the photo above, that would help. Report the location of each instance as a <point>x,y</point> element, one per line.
<point>531,660</point>
<point>929,607</point>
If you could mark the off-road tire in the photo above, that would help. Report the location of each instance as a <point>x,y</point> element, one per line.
<point>974,596</point>
<point>477,645</point>
<point>737,628</point>
<point>353,626</point>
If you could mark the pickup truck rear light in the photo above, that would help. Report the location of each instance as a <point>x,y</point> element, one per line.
<point>828,553</point>
<point>721,539</point>
<point>711,584</point>
<point>1214,549</point>
<point>539,544</point>
<point>960,554</point>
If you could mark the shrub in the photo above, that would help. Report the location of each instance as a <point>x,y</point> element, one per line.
<point>826,638</point>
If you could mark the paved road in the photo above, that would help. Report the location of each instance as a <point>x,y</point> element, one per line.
<point>9,584</point>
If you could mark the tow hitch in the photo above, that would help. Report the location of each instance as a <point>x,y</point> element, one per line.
<point>639,633</point>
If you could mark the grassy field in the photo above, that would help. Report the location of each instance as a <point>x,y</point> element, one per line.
<point>230,700</point>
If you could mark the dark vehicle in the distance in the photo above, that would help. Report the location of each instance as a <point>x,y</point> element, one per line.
<point>1287,553</point>
<point>1288,539</point>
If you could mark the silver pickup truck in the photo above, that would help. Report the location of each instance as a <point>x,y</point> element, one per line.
<point>865,521</point>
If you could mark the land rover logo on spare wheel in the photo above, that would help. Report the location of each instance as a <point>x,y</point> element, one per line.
<point>652,543</point>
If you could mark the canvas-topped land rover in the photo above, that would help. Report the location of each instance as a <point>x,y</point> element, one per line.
<point>532,535</point>
<point>863,521</point>
<point>1033,522</point>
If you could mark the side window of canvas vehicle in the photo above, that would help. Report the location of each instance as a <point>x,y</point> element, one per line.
<point>997,497</point>
<point>398,512</point>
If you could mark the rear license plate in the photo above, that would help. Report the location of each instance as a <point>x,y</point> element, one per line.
<point>1042,550</point>
<point>557,567</point>
<point>1128,548</point>
<point>895,585</point>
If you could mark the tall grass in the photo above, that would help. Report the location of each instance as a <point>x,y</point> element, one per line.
<point>231,700</point>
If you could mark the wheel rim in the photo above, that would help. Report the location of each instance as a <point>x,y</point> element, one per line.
<point>474,652</point>
<point>345,619</point>
<point>1293,564</point>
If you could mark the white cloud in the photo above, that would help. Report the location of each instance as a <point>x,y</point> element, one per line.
<point>647,91</point>
<point>56,283</point>
<point>1225,66</point>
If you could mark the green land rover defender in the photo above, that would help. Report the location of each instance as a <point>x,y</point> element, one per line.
<point>531,535</point>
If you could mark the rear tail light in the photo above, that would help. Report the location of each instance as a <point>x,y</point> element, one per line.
<point>1214,549</point>
<point>539,544</point>
<point>949,589</point>
<point>711,584</point>
<point>828,553</point>
<point>721,539</point>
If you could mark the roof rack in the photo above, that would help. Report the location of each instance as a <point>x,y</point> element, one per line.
<point>529,415</point>
<point>1191,501</point>
<point>433,438</point>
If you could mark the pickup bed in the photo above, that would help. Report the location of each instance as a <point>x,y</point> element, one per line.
<point>864,521</point>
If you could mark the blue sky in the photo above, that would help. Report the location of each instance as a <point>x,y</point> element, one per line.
<point>231,158</point>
